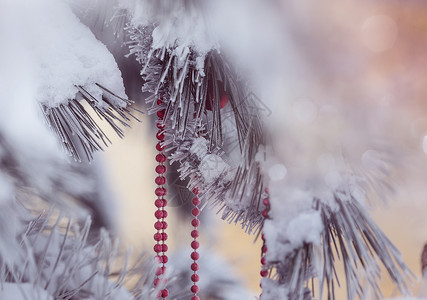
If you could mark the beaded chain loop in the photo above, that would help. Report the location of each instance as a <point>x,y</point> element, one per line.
<point>264,269</point>
<point>160,248</point>
<point>195,245</point>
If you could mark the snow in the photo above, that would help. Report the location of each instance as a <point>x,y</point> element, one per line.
<point>293,220</point>
<point>6,191</point>
<point>406,298</point>
<point>180,25</point>
<point>272,290</point>
<point>22,291</point>
<point>305,228</point>
<point>63,53</point>
<point>199,147</point>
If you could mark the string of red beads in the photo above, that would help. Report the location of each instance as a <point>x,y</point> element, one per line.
<point>195,245</point>
<point>264,269</point>
<point>160,248</point>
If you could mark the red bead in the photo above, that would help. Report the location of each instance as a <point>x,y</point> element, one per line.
<point>263,237</point>
<point>158,225</point>
<point>164,236</point>
<point>194,289</point>
<point>266,190</point>
<point>195,212</point>
<point>159,147</point>
<point>164,259</point>
<point>165,213</point>
<point>165,202</point>
<point>160,125</point>
<point>160,135</point>
<point>160,169</point>
<point>156,281</point>
<point>266,202</point>
<point>158,203</point>
<point>196,201</point>
<point>195,234</point>
<point>161,191</point>
<point>160,158</point>
<point>196,191</point>
<point>264,273</point>
<point>195,256</point>
<point>157,236</point>
<point>264,249</point>
<point>164,248</point>
<point>195,278</point>
<point>159,271</point>
<point>195,245</point>
<point>164,293</point>
<point>195,223</point>
<point>164,225</point>
<point>195,298</point>
<point>265,213</point>
<point>159,101</point>
<point>263,261</point>
<point>160,180</point>
<point>157,248</point>
<point>194,267</point>
<point>161,113</point>
<point>158,214</point>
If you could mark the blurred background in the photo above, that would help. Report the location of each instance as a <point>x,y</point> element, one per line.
<point>355,71</point>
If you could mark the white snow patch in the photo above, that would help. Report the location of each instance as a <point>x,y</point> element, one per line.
<point>179,24</point>
<point>64,53</point>
<point>273,290</point>
<point>6,190</point>
<point>199,147</point>
<point>23,291</point>
<point>305,228</point>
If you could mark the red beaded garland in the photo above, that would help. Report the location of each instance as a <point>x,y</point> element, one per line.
<point>160,248</point>
<point>264,270</point>
<point>195,244</point>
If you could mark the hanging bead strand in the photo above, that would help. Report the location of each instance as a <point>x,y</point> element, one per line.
<point>160,248</point>
<point>264,269</point>
<point>195,245</point>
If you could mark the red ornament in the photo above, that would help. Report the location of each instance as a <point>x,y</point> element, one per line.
<point>210,98</point>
